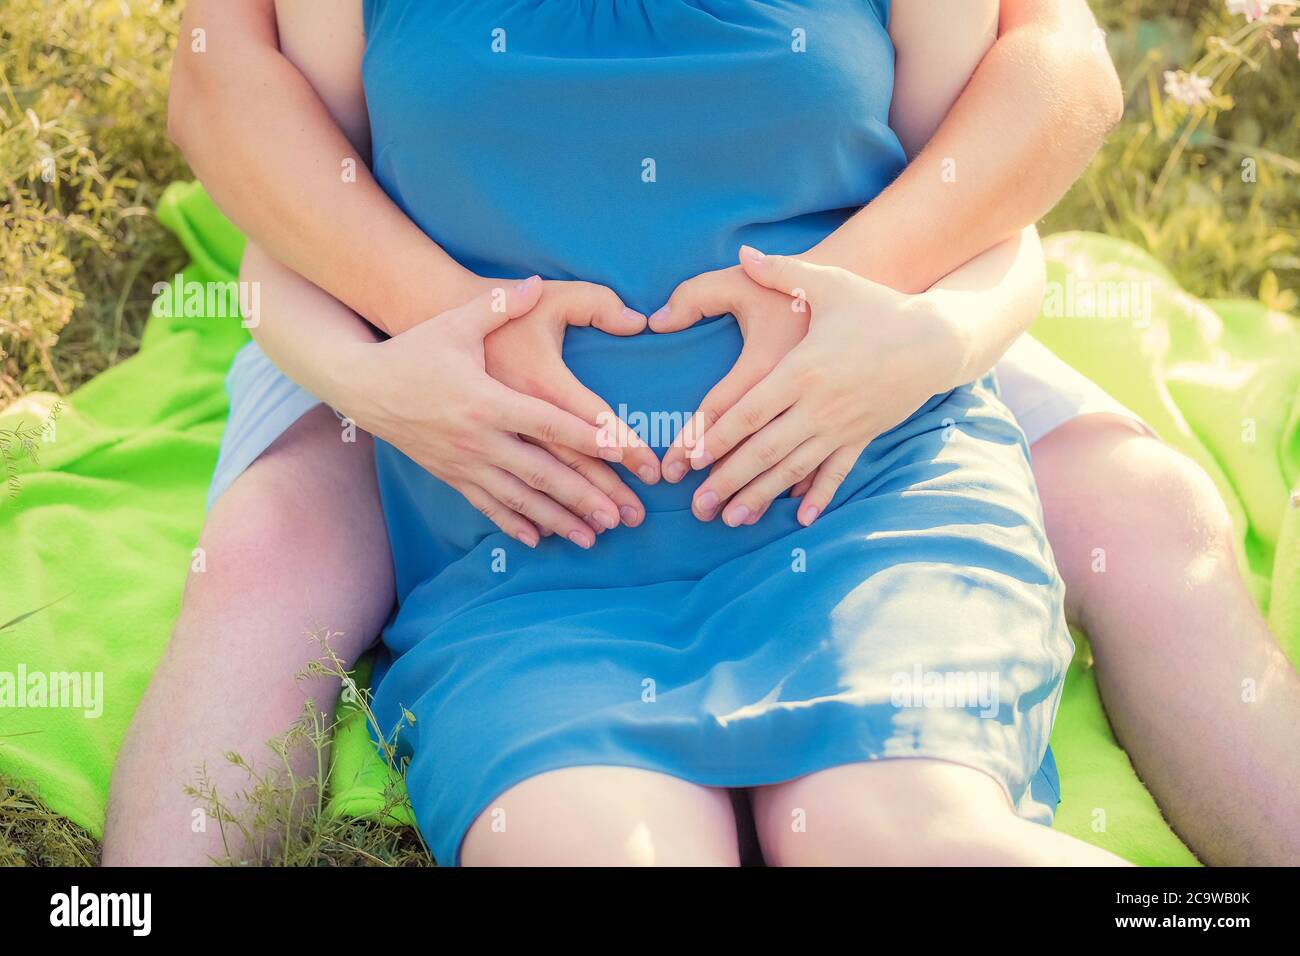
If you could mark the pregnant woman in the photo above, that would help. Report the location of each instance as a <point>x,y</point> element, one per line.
<point>635,146</point>
<point>560,691</point>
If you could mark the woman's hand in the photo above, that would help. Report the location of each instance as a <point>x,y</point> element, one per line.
<point>430,395</point>
<point>770,322</point>
<point>526,355</point>
<point>872,357</point>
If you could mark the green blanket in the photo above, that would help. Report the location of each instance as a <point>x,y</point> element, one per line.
<point>98,531</point>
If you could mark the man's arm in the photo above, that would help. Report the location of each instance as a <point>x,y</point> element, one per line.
<point>1037,107</point>
<point>272,156</point>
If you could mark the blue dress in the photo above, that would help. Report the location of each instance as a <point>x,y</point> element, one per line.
<point>636,144</point>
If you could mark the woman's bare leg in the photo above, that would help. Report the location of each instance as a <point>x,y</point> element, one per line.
<point>906,812</point>
<point>1196,688</point>
<point>296,544</point>
<point>604,816</point>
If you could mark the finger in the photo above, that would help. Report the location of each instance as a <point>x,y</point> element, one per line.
<point>801,489</point>
<point>693,299</point>
<point>827,481</point>
<point>598,306</point>
<point>542,471</point>
<point>630,508</point>
<point>511,522</point>
<point>758,495</point>
<point>526,415</point>
<point>571,395</point>
<point>542,511</point>
<point>743,376</point>
<point>760,453</point>
<point>763,402</point>
<point>494,308</point>
<point>802,280</point>
<point>610,315</point>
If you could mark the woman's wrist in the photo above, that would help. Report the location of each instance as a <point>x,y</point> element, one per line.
<point>946,338</point>
<point>349,378</point>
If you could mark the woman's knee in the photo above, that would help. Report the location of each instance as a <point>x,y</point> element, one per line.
<point>604,816</point>
<point>901,812</point>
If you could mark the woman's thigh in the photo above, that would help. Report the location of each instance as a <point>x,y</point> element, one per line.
<point>906,812</point>
<point>604,816</point>
<point>888,813</point>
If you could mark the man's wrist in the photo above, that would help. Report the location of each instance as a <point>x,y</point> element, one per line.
<point>882,263</point>
<point>406,303</point>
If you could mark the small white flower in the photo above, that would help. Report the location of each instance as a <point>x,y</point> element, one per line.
<point>1187,88</point>
<point>1253,9</point>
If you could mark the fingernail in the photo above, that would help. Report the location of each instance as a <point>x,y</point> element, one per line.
<point>808,514</point>
<point>675,472</point>
<point>605,519</point>
<point>630,515</point>
<point>580,539</point>
<point>706,504</point>
<point>659,316</point>
<point>633,315</point>
<point>736,516</point>
<point>700,458</point>
<point>647,474</point>
<point>527,284</point>
<point>528,537</point>
<point>752,254</point>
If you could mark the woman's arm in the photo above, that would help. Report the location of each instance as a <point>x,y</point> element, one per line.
<point>813,414</point>
<point>964,229</point>
<point>871,358</point>
<point>457,425</point>
<point>460,424</point>
<point>992,150</point>
<point>270,150</point>
<point>987,304</point>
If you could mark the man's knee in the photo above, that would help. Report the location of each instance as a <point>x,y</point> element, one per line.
<point>1120,505</point>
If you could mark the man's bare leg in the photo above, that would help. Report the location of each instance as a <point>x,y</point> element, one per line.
<point>1196,688</point>
<point>296,544</point>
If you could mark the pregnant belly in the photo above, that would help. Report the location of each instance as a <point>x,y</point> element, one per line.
<point>655,382</point>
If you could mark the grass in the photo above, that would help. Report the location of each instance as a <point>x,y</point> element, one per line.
<point>84,157</point>
<point>33,835</point>
<point>1212,191</point>
<point>274,816</point>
